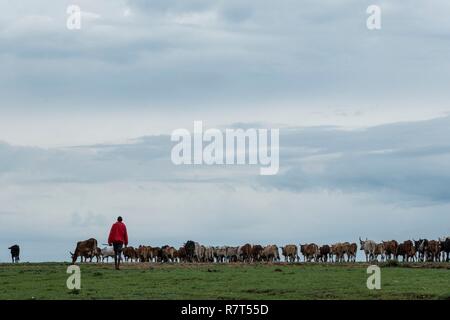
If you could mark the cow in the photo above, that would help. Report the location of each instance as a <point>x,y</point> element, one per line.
<point>368,246</point>
<point>420,246</point>
<point>406,250</point>
<point>181,254</point>
<point>84,248</point>
<point>245,252</point>
<point>193,251</point>
<point>220,253</point>
<point>290,253</point>
<point>410,250</point>
<point>433,251</point>
<point>167,254</point>
<point>390,249</point>
<point>324,253</point>
<point>400,252</point>
<point>257,252</point>
<point>129,254</point>
<point>107,252</point>
<point>352,250</point>
<point>154,254</point>
<point>232,254</point>
<point>209,254</point>
<point>98,254</point>
<point>338,251</point>
<point>270,253</point>
<point>379,251</point>
<point>309,251</point>
<point>15,253</point>
<point>445,248</point>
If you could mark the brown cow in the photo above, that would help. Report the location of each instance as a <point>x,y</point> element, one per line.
<point>145,253</point>
<point>270,253</point>
<point>245,252</point>
<point>339,250</point>
<point>410,250</point>
<point>309,251</point>
<point>433,251</point>
<point>379,251</point>
<point>181,254</point>
<point>324,253</point>
<point>167,253</point>
<point>290,252</point>
<point>390,249</point>
<point>85,248</point>
<point>129,253</point>
<point>352,251</point>
<point>406,250</point>
<point>257,252</point>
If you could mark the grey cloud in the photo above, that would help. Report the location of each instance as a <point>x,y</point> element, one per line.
<point>409,160</point>
<point>403,162</point>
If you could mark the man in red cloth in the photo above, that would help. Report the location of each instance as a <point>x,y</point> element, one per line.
<point>118,237</point>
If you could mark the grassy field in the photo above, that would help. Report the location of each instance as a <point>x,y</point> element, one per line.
<point>235,281</point>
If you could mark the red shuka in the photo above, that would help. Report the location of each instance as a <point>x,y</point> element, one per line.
<point>118,233</point>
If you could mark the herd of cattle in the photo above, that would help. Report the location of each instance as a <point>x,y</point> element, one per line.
<point>416,250</point>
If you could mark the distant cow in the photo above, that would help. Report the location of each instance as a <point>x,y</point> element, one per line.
<point>232,254</point>
<point>433,251</point>
<point>245,252</point>
<point>192,251</point>
<point>84,248</point>
<point>107,252</point>
<point>270,253</point>
<point>220,253</point>
<point>379,251</point>
<point>209,254</point>
<point>181,254</point>
<point>324,253</point>
<point>167,254</point>
<point>257,252</point>
<point>390,249</point>
<point>352,250</point>
<point>445,248</point>
<point>15,253</point>
<point>421,247</point>
<point>368,246</point>
<point>309,251</point>
<point>406,250</point>
<point>129,254</point>
<point>290,252</point>
<point>98,254</point>
<point>337,251</point>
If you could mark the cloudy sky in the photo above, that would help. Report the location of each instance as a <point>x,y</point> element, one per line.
<point>86,117</point>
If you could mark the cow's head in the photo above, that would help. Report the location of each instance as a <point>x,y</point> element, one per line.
<point>73,257</point>
<point>362,243</point>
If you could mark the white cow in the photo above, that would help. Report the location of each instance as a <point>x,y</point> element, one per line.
<point>369,247</point>
<point>107,252</point>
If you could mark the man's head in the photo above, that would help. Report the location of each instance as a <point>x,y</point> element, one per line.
<point>119,219</point>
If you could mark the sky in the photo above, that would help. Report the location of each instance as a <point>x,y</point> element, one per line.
<point>86,117</point>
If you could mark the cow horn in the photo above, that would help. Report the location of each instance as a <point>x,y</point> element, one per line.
<point>360,239</point>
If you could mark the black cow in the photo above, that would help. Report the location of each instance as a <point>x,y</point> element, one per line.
<point>15,252</point>
<point>445,249</point>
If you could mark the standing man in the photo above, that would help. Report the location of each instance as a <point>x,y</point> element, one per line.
<point>118,237</point>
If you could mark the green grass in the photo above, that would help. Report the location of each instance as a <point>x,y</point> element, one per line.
<point>231,281</point>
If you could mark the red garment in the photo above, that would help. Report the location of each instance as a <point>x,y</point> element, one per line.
<point>118,234</point>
